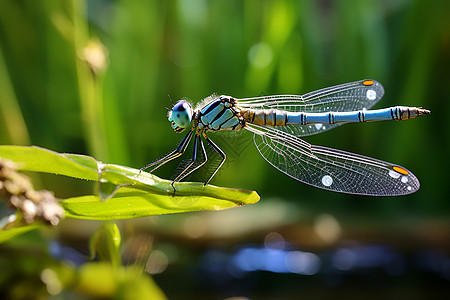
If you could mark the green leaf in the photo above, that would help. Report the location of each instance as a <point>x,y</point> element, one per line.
<point>106,243</point>
<point>133,203</point>
<point>38,159</point>
<point>130,192</point>
<point>101,280</point>
<point>7,234</point>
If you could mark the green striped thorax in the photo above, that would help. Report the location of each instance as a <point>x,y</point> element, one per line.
<point>181,115</point>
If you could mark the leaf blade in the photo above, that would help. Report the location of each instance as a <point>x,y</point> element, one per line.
<point>132,203</point>
<point>39,159</point>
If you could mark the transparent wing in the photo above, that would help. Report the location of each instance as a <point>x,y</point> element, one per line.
<point>351,96</point>
<point>331,169</point>
<point>362,94</point>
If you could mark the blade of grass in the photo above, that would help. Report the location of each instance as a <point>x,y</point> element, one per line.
<point>14,123</point>
<point>89,83</point>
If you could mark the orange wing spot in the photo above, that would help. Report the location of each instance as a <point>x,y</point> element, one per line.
<point>368,82</point>
<point>400,170</point>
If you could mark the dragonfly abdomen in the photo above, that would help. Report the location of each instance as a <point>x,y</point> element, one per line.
<point>267,117</point>
<point>391,113</point>
<point>276,117</point>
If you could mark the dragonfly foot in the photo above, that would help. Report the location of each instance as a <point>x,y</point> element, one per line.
<point>174,190</point>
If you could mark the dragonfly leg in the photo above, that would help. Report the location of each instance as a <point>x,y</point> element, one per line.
<point>189,169</point>
<point>221,153</point>
<point>172,155</point>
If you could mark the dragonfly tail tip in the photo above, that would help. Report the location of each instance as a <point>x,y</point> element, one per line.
<point>423,111</point>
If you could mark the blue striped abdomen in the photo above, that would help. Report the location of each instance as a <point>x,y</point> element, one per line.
<point>391,113</point>
<point>275,117</point>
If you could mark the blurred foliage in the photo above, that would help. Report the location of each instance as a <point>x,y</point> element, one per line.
<point>97,77</point>
<point>37,270</point>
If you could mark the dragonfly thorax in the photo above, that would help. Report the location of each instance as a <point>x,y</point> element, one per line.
<point>221,113</point>
<point>180,116</point>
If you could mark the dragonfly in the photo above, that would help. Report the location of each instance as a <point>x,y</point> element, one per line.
<point>278,124</point>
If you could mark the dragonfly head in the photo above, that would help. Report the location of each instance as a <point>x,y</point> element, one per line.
<point>180,116</point>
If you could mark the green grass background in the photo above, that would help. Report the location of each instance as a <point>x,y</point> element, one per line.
<point>159,49</point>
<point>157,52</point>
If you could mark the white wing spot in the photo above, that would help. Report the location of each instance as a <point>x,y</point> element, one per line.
<point>318,126</point>
<point>371,94</point>
<point>404,179</point>
<point>327,180</point>
<point>394,174</point>
<point>409,188</point>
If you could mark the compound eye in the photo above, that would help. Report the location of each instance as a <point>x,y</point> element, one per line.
<point>181,114</point>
